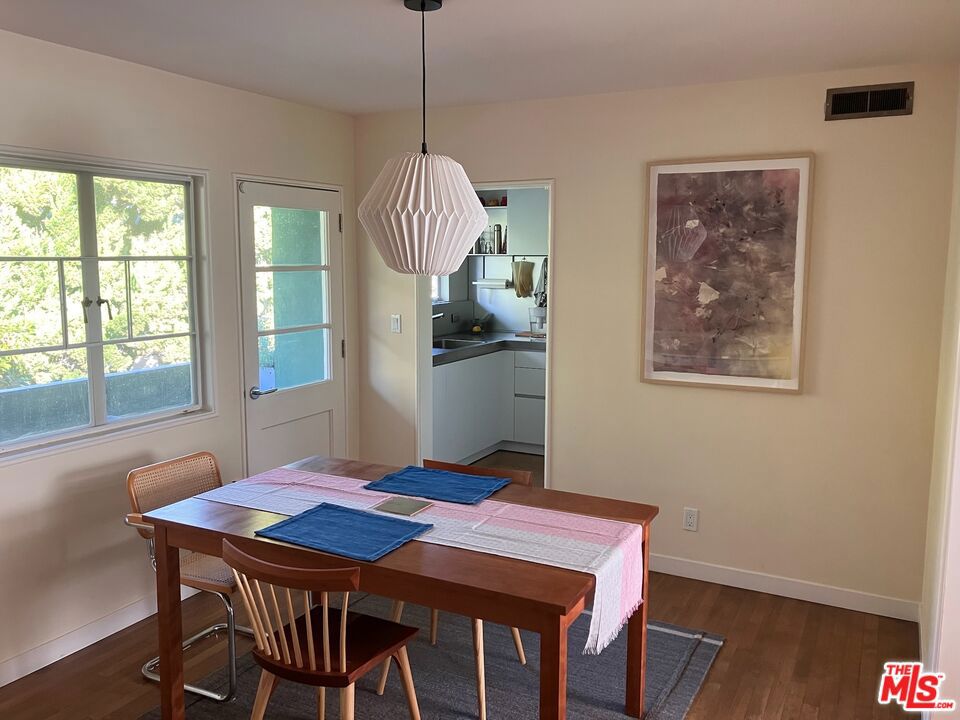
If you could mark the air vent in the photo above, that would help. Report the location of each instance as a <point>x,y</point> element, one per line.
<point>869,101</point>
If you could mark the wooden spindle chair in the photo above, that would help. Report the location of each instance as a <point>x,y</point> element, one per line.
<point>309,644</point>
<point>519,477</point>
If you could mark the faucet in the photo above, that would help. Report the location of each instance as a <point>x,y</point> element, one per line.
<point>437,316</point>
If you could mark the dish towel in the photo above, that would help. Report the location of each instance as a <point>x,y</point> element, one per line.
<point>339,530</point>
<point>540,294</point>
<point>439,485</point>
<point>523,278</point>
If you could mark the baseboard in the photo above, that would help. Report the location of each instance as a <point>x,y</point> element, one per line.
<point>49,652</point>
<point>788,587</point>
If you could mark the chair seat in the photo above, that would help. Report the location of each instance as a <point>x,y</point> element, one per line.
<point>370,641</point>
<point>205,572</point>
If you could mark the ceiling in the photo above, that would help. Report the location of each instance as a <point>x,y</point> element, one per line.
<point>363,55</point>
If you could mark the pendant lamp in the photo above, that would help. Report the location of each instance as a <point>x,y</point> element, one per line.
<point>422,213</point>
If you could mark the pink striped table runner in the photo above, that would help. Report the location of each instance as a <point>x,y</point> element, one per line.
<point>609,550</point>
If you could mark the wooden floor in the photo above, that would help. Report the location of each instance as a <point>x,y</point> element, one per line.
<point>782,659</point>
<point>515,461</point>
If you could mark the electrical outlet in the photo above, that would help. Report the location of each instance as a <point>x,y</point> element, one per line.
<point>691,519</point>
<point>395,326</point>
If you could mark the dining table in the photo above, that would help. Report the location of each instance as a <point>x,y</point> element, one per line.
<point>536,597</point>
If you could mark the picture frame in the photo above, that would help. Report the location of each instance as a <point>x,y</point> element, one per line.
<point>725,271</point>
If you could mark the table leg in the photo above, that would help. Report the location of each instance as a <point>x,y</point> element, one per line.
<point>170,626</point>
<point>553,672</point>
<point>637,641</point>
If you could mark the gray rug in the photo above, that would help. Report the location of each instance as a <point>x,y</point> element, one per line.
<point>677,663</point>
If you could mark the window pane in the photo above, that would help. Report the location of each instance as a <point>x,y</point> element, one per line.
<point>73,280</point>
<point>140,217</point>
<point>113,288</point>
<point>43,393</point>
<point>160,297</point>
<point>38,213</point>
<point>149,376</point>
<point>283,236</point>
<point>293,359</point>
<point>29,305</point>
<point>290,299</point>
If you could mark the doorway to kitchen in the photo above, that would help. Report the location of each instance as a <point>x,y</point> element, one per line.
<point>484,341</point>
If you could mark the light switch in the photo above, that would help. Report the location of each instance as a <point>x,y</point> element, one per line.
<point>395,324</point>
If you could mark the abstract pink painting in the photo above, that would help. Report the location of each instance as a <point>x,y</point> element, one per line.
<point>725,272</point>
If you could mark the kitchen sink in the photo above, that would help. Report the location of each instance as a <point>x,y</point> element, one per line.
<point>453,344</point>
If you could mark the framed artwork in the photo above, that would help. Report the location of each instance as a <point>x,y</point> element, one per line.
<point>725,272</point>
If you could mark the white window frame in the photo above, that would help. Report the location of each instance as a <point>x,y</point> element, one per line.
<point>195,213</point>
<point>443,289</point>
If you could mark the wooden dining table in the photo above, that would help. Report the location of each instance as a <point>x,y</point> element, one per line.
<point>516,593</point>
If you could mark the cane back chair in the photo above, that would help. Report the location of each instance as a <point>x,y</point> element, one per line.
<point>164,483</point>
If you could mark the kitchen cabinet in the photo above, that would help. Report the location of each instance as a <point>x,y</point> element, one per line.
<point>530,390</point>
<point>528,221</point>
<point>529,415</point>
<point>473,405</point>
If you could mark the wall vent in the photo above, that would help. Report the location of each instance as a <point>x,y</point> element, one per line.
<point>869,101</point>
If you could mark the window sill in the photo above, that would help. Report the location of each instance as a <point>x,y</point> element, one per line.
<point>90,437</point>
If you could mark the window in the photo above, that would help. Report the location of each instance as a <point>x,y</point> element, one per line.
<point>97,316</point>
<point>439,289</point>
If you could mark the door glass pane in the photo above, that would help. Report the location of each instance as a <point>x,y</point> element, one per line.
<point>140,217</point>
<point>148,376</point>
<point>290,299</point>
<point>160,297</point>
<point>30,305</point>
<point>284,236</point>
<point>43,393</point>
<point>293,359</point>
<point>38,213</point>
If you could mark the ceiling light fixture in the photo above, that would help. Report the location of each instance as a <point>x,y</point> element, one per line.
<point>422,213</point>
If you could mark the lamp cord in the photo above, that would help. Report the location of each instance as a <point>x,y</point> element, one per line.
<point>423,58</point>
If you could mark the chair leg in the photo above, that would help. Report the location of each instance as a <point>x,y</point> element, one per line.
<point>321,703</point>
<point>395,614</point>
<point>518,644</point>
<point>268,683</point>
<point>404,662</point>
<point>149,669</point>
<point>481,682</point>
<point>346,702</point>
<point>434,625</point>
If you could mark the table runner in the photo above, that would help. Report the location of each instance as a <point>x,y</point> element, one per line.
<point>610,550</point>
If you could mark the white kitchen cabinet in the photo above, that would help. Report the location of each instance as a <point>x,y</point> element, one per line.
<point>529,420</point>
<point>530,381</point>
<point>473,405</point>
<point>528,221</point>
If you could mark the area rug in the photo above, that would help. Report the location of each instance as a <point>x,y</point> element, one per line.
<point>678,660</point>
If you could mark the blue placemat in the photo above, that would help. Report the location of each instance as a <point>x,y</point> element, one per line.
<point>339,530</point>
<point>439,485</point>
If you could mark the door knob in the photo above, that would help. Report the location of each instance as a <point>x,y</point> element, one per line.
<point>256,392</point>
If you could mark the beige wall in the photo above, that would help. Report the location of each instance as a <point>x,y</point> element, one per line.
<point>940,610</point>
<point>828,487</point>
<point>65,557</point>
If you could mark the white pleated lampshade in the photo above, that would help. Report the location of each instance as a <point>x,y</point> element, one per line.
<point>422,214</point>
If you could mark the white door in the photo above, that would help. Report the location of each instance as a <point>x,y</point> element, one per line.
<point>291,250</point>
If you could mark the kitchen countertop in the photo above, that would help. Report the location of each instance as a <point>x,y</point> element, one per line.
<point>492,342</point>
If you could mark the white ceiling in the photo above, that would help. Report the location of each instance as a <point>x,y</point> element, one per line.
<point>363,55</point>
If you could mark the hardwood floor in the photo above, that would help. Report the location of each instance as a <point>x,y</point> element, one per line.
<point>783,659</point>
<point>515,461</point>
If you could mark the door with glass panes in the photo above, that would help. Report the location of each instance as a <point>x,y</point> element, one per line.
<point>291,250</point>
